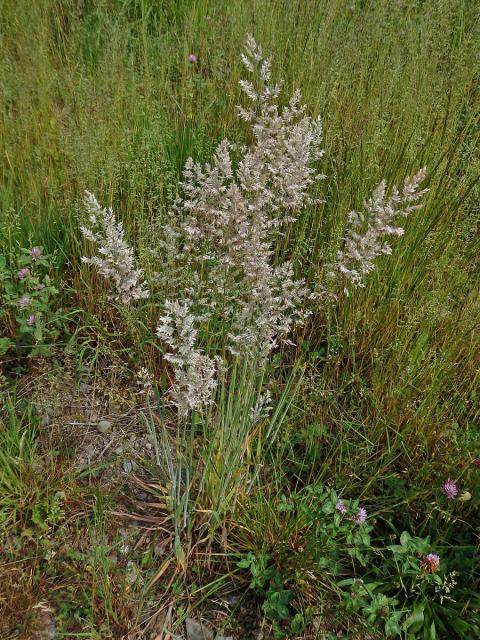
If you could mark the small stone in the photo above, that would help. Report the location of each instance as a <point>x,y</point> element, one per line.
<point>159,549</point>
<point>104,426</point>
<point>128,466</point>
<point>197,631</point>
<point>141,495</point>
<point>84,387</point>
<point>119,451</point>
<point>149,446</point>
<point>233,600</point>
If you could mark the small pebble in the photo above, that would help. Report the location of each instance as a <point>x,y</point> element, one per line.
<point>104,426</point>
<point>84,387</point>
<point>119,451</point>
<point>197,631</point>
<point>128,466</point>
<point>233,600</point>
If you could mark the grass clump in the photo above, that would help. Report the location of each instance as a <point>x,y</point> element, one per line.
<point>245,405</point>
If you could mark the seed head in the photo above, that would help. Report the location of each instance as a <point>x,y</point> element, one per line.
<point>115,259</point>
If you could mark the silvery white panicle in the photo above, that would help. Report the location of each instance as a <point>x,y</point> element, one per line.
<point>115,261</point>
<point>367,234</point>
<point>228,218</point>
<point>271,309</point>
<point>277,171</point>
<point>144,381</point>
<point>194,371</point>
<point>262,408</point>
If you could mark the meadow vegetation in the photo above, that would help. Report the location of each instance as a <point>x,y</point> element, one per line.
<point>239,313</point>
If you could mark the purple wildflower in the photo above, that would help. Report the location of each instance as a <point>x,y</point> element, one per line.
<point>35,253</point>
<point>340,506</point>
<point>39,286</point>
<point>361,516</point>
<point>192,58</point>
<point>23,273</point>
<point>31,320</point>
<point>431,562</point>
<point>24,302</point>
<point>450,489</point>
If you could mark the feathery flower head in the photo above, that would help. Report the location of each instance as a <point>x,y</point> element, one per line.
<point>361,516</point>
<point>192,58</point>
<point>24,302</point>
<point>31,320</point>
<point>115,261</point>
<point>368,231</point>
<point>194,372</point>
<point>230,213</point>
<point>341,506</point>
<point>39,286</point>
<point>450,489</point>
<point>23,273</point>
<point>431,562</point>
<point>35,253</point>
